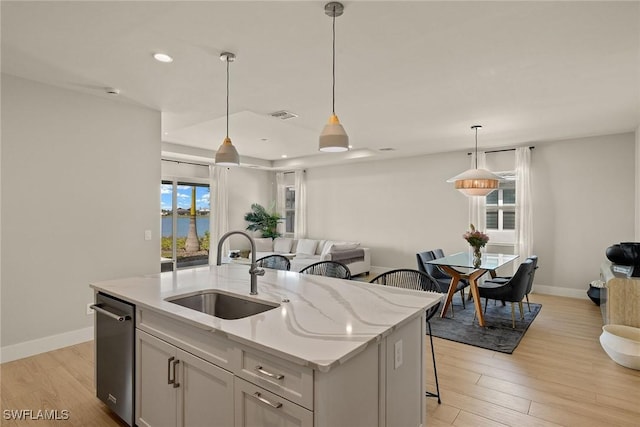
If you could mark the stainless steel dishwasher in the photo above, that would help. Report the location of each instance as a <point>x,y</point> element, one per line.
<point>115,355</point>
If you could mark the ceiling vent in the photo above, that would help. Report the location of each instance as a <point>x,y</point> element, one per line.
<point>283,115</point>
<point>387,149</point>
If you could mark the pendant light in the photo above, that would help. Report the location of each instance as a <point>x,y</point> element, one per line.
<point>475,182</point>
<point>333,137</point>
<point>227,155</point>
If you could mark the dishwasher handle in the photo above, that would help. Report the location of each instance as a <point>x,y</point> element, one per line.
<point>115,316</point>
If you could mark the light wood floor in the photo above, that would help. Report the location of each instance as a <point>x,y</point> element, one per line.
<point>558,375</point>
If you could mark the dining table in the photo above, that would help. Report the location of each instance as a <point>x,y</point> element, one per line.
<point>472,271</point>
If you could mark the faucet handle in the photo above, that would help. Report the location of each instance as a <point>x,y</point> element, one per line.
<point>257,271</point>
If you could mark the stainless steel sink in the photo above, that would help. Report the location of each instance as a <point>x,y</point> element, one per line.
<point>222,305</point>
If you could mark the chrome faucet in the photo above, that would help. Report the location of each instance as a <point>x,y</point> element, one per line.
<point>254,271</point>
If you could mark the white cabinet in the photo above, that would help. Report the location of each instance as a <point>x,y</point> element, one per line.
<point>257,407</point>
<point>188,376</point>
<point>176,388</point>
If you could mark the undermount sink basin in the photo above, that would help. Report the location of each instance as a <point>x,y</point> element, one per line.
<point>221,305</point>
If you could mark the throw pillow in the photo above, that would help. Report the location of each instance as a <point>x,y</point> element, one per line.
<point>306,246</point>
<point>344,246</point>
<point>326,249</point>
<point>264,244</point>
<point>282,245</point>
<point>320,247</point>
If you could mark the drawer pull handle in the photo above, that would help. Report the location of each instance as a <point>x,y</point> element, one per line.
<point>176,384</point>
<point>258,396</point>
<point>269,374</point>
<point>169,380</point>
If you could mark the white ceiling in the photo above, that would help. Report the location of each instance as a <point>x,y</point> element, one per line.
<point>413,76</point>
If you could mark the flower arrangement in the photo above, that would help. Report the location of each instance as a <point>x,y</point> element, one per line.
<point>476,238</point>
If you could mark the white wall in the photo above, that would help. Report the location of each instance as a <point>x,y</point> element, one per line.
<point>80,185</point>
<point>583,202</point>
<point>637,184</point>
<point>247,186</point>
<point>397,208</point>
<point>583,194</point>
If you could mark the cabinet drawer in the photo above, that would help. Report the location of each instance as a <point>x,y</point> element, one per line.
<point>255,406</point>
<point>204,344</point>
<point>286,379</point>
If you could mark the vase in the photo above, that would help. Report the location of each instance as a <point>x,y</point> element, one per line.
<point>477,256</point>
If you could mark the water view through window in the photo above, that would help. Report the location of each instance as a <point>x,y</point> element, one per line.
<point>185,211</point>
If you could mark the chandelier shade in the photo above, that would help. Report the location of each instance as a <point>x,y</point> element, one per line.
<point>476,182</point>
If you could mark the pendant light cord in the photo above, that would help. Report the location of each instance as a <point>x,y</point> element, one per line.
<point>476,147</point>
<point>333,74</point>
<point>227,97</point>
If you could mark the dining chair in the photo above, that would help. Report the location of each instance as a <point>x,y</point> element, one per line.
<point>441,278</point>
<point>512,291</point>
<point>504,279</point>
<point>328,269</point>
<point>416,280</point>
<point>276,262</point>
<point>439,253</point>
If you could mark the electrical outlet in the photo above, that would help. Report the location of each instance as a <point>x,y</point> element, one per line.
<point>147,234</point>
<point>90,310</point>
<point>397,360</point>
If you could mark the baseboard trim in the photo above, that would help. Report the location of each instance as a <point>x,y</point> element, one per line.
<point>560,292</point>
<point>42,345</point>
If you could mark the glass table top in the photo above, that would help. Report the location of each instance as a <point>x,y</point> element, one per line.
<point>489,261</point>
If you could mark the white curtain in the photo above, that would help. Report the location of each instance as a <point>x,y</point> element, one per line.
<point>280,201</point>
<point>477,204</point>
<point>219,215</point>
<point>524,217</point>
<point>300,230</point>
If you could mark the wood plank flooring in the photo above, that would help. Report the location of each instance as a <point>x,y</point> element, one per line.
<point>558,375</point>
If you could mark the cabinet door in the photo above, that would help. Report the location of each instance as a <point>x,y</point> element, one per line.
<point>156,403</point>
<point>256,407</point>
<point>205,393</point>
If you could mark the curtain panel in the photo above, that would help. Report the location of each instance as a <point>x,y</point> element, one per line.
<point>524,212</point>
<point>300,228</point>
<point>219,214</point>
<point>280,201</point>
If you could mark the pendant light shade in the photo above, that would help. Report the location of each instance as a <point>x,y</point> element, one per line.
<point>333,137</point>
<point>475,182</point>
<point>227,155</point>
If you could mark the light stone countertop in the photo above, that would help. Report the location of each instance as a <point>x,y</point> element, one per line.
<point>324,323</point>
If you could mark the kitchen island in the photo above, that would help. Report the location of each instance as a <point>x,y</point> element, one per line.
<point>331,353</point>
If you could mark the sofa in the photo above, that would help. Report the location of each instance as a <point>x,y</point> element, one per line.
<point>304,252</point>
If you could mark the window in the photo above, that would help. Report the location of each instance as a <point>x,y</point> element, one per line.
<point>501,210</point>
<point>185,209</point>
<point>289,210</point>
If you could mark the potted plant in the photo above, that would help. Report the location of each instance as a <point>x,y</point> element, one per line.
<point>260,219</point>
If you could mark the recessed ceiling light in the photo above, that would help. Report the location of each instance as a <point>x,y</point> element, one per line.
<point>162,57</point>
<point>284,156</point>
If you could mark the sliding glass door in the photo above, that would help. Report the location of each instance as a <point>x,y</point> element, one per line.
<point>185,208</point>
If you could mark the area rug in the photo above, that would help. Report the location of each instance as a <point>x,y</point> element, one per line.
<point>497,335</point>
